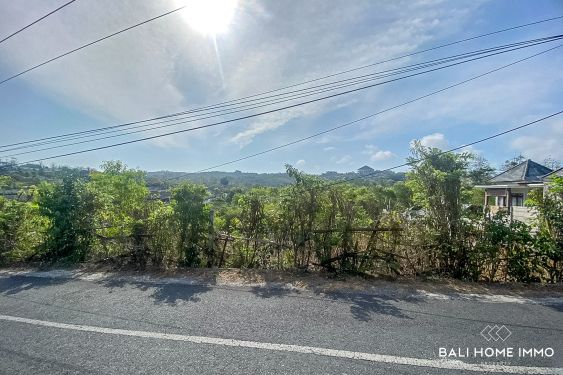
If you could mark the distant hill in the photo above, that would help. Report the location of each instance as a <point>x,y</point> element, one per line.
<point>249,179</point>
<point>33,174</point>
<point>213,179</point>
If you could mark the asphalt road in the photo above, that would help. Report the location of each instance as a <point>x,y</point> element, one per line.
<point>116,326</point>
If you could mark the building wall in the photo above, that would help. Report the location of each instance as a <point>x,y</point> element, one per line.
<point>520,213</point>
<point>523,214</point>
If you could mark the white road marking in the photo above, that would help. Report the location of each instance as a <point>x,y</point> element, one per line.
<point>441,363</point>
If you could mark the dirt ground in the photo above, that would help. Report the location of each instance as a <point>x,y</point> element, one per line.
<point>318,281</point>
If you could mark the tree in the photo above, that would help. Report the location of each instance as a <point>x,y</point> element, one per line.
<point>192,215</point>
<point>480,170</point>
<point>121,197</point>
<point>21,228</point>
<point>509,163</point>
<point>552,163</point>
<point>436,180</point>
<point>549,205</point>
<point>300,207</point>
<point>69,207</point>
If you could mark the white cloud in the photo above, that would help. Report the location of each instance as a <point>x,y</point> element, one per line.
<point>294,59</point>
<point>472,150</point>
<point>269,122</point>
<point>346,159</point>
<point>300,163</point>
<point>125,78</point>
<point>375,154</point>
<point>382,155</point>
<point>164,67</point>
<point>437,140</point>
<point>547,144</point>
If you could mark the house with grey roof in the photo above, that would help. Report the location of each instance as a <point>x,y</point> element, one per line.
<point>365,171</point>
<point>508,190</point>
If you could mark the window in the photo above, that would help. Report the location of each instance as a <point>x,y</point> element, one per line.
<point>501,201</point>
<point>517,199</point>
<point>491,200</point>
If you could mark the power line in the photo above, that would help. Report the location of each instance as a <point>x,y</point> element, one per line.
<point>36,21</point>
<point>153,137</point>
<point>415,161</point>
<point>294,85</point>
<point>90,44</point>
<point>284,97</point>
<point>299,140</point>
<point>447,151</point>
<point>399,71</point>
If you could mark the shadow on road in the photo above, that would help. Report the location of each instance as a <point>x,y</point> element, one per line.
<point>365,306</point>
<point>362,306</point>
<point>269,292</point>
<point>17,284</point>
<point>170,294</point>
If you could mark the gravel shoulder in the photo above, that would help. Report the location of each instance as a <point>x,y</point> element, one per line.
<point>310,281</point>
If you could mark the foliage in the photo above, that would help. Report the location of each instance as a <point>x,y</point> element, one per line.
<point>122,208</point>
<point>480,170</point>
<point>549,205</point>
<point>436,180</point>
<point>512,162</point>
<point>21,228</point>
<point>421,226</point>
<point>69,207</point>
<point>192,217</point>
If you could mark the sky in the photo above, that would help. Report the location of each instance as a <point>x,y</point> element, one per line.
<point>176,63</point>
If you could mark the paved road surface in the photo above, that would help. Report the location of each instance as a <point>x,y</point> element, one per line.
<point>121,326</point>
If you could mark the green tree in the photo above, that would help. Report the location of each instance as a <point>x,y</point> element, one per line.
<point>21,228</point>
<point>192,215</point>
<point>121,197</point>
<point>69,207</point>
<point>549,240</point>
<point>123,209</point>
<point>480,171</point>
<point>436,180</point>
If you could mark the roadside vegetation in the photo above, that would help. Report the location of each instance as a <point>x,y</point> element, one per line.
<point>431,224</point>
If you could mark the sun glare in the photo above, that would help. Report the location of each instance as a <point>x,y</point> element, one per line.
<point>210,17</point>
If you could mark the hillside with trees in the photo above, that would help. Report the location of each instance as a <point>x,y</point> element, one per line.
<point>424,225</point>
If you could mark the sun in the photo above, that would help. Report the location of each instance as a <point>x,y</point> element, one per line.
<point>210,17</point>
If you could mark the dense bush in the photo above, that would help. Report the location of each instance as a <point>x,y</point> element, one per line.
<point>423,226</point>
<point>21,229</point>
<point>70,211</point>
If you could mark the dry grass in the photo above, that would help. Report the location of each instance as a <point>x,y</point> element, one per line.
<point>323,282</point>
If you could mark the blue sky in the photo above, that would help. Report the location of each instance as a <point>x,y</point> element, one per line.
<point>168,66</point>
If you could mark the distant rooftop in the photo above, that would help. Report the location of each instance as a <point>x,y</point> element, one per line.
<point>527,171</point>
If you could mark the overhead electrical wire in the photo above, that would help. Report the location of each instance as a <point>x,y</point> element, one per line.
<point>415,161</point>
<point>412,162</point>
<point>290,86</point>
<point>284,97</point>
<point>446,151</point>
<point>299,140</point>
<point>424,65</point>
<point>259,114</point>
<point>89,44</point>
<point>36,21</point>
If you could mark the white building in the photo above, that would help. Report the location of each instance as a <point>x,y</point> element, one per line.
<point>508,190</point>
